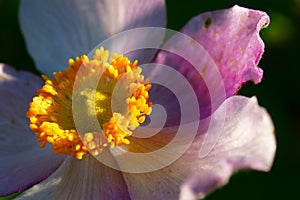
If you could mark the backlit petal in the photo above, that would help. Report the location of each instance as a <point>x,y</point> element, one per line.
<point>231,39</point>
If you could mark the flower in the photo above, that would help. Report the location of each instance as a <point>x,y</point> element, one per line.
<point>57,30</point>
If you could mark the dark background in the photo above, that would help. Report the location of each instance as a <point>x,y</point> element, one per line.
<point>278,92</point>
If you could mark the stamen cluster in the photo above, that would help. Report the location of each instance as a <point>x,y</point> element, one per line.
<point>51,114</point>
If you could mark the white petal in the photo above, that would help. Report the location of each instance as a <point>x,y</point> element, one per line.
<point>56,30</point>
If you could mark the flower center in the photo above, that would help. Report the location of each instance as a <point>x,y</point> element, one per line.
<point>51,111</point>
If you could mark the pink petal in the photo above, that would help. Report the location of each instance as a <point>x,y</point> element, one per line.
<point>23,163</point>
<point>231,39</point>
<point>80,179</point>
<point>247,142</point>
<point>58,29</point>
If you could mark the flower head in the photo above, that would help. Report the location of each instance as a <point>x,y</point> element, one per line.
<point>51,116</point>
<point>95,109</point>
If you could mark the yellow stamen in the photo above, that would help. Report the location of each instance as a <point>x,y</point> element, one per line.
<point>51,115</point>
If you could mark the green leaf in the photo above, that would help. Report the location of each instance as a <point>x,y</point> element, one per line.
<point>12,196</point>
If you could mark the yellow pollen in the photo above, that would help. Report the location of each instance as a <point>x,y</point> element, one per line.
<point>51,116</point>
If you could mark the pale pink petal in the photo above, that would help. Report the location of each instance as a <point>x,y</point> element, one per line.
<point>80,179</point>
<point>231,39</point>
<point>23,163</point>
<point>56,30</point>
<point>246,142</point>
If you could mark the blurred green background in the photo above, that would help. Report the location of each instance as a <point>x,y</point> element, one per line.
<point>278,92</point>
